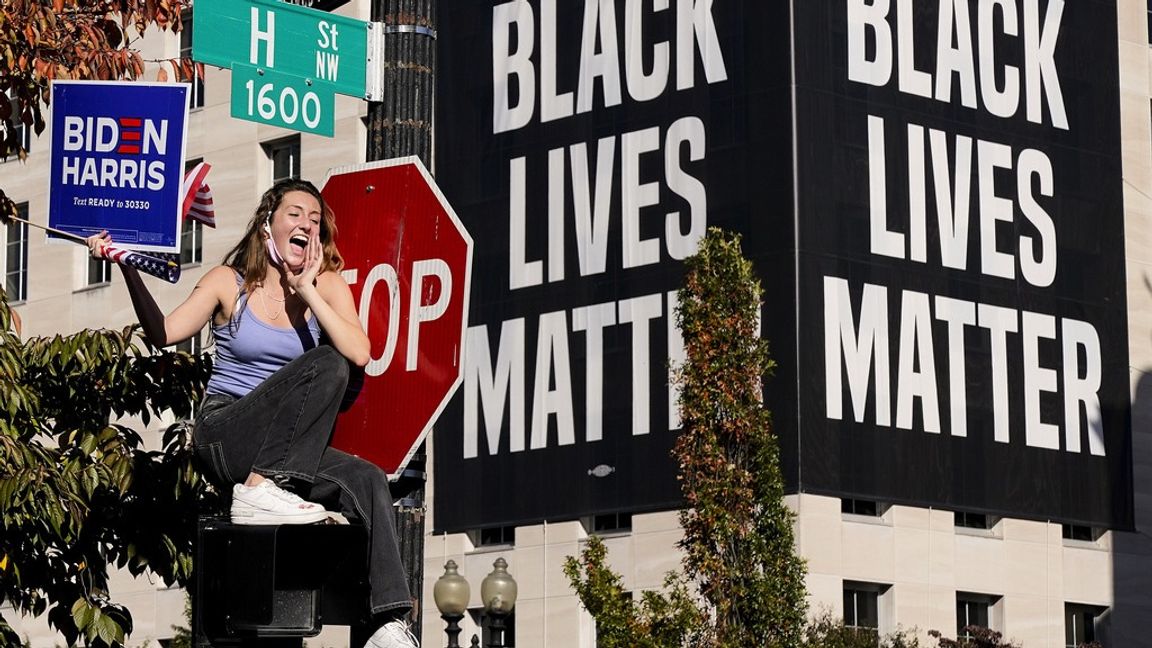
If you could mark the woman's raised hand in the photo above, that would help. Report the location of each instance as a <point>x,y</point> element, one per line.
<point>313,255</point>
<point>96,244</point>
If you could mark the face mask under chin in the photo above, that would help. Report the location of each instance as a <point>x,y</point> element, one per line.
<point>274,255</point>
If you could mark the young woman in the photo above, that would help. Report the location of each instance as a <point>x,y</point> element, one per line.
<point>286,329</point>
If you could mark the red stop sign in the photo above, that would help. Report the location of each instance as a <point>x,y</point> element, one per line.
<point>408,260</point>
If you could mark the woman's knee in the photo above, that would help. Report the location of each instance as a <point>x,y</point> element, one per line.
<point>329,363</point>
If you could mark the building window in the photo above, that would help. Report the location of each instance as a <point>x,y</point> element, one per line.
<point>867,508</point>
<point>481,620</point>
<point>16,257</point>
<point>99,271</point>
<point>862,605</point>
<point>608,523</point>
<point>973,610</point>
<point>494,536</point>
<point>192,231</point>
<point>197,81</point>
<point>1082,624</point>
<point>23,132</point>
<point>966,520</point>
<point>1080,532</point>
<point>285,157</point>
<point>191,242</point>
<point>191,346</point>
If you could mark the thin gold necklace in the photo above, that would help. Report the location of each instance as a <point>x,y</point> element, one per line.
<point>268,311</point>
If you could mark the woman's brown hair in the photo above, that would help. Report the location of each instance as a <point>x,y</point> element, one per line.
<point>250,256</point>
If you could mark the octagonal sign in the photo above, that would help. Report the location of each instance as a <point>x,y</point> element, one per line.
<point>408,261</point>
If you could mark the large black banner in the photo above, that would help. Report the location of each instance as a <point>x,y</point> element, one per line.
<point>961,253</point>
<point>933,205</point>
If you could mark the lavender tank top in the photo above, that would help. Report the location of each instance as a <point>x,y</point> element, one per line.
<point>248,350</point>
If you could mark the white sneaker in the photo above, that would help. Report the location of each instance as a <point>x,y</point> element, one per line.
<point>267,503</point>
<point>394,634</point>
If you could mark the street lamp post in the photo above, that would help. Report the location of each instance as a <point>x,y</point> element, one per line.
<point>451,594</point>
<point>498,593</point>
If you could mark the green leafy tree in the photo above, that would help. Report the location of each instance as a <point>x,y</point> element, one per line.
<point>826,631</point>
<point>738,535</point>
<point>976,637</point>
<point>739,548</point>
<point>657,619</point>
<point>79,494</point>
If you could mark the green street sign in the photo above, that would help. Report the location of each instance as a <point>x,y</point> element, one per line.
<point>284,100</point>
<point>285,38</point>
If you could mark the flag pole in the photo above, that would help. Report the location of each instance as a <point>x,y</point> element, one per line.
<point>76,238</point>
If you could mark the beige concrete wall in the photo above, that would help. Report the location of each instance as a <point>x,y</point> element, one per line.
<point>918,552</point>
<point>1132,552</point>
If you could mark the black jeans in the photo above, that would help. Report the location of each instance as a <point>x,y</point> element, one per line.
<point>281,430</point>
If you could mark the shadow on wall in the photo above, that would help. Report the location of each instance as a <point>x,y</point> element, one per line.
<point>1131,613</point>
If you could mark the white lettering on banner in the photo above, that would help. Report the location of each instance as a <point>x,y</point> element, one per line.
<point>552,357</point>
<point>599,19</point>
<point>592,202</point>
<point>956,59</point>
<point>514,75</point>
<point>592,320</point>
<point>641,86</point>
<point>498,388</point>
<point>999,322</point>
<point>489,388</point>
<point>956,314</point>
<point>1082,391</point>
<point>860,346</point>
<point>1037,254</point>
<point>1001,103</point>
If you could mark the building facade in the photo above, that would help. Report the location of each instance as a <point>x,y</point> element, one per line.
<point>587,145</point>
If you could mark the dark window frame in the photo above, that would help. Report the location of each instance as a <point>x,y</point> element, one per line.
<point>974,609</point>
<point>1082,623</point>
<point>972,520</point>
<point>863,507</point>
<point>196,99</point>
<point>608,523</point>
<point>275,148</point>
<point>99,272</point>
<point>501,536</point>
<point>16,248</point>
<point>864,617</point>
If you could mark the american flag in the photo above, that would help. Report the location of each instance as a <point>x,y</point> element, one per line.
<point>198,195</point>
<point>161,264</point>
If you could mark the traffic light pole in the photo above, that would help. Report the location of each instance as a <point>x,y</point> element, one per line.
<point>401,125</point>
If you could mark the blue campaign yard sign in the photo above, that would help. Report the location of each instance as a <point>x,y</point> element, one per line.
<point>118,161</point>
